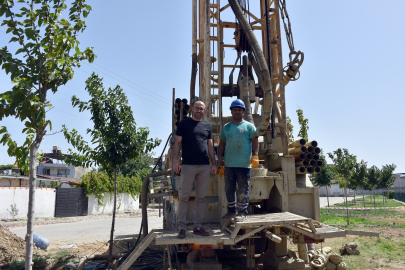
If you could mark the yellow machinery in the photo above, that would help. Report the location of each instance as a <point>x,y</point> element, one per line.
<point>281,205</point>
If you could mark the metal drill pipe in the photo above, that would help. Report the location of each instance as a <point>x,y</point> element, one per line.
<point>297,143</point>
<point>300,170</point>
<point>304,163</point>
<point>312,143</point>
<point>299,157</point>
<point>298,150</point>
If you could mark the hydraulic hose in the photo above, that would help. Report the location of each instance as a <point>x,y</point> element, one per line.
<point>264,73</point>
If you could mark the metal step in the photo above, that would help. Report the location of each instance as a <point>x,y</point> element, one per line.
<point>138,250</point>
<point>163,188</point>
<point>160,182</point>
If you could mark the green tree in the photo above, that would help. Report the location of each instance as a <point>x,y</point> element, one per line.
<point>114,135</point>
<point>344,165</point>
<point>290,129</point>
<point>134,167</point>
<point>359,176</point>
<point>387,178</point>
<point>47,52</point>
<point>325,177</point>
<point>373,176</point>
<point>303,133</point>
<point>4,168</point>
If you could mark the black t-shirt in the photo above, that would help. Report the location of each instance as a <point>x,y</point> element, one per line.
<point>194,142</point>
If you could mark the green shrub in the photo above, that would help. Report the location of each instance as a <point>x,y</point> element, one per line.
<point>99,184</point>
<point>391,194</point>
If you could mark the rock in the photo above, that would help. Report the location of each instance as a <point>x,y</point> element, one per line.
<point>331,266</point>
<point>341,266</point>
<point>335,258</point>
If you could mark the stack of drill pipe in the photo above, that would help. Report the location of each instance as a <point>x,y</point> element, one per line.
<point>181,110</point>
<point>306,155</point>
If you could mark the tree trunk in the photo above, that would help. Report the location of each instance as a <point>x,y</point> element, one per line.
<point>347,207</point>
<point>354,193</point>
<point>374,197</point>
<point>31,204</point>
<point>327,196</point>
<point>364,202</point>
<point>113,219</point>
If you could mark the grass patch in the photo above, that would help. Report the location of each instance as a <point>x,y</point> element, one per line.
<point>375,253</point>
<point>381,218</point>
<point>57,260</point>
<point>369,202</point>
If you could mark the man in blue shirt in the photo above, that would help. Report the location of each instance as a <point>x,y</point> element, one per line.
<point>238,140</point>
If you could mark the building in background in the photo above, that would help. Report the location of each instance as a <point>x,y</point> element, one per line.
<point>53,165</point>
<point>52,171</point>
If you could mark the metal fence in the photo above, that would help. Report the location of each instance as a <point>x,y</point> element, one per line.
<point>399,195</point>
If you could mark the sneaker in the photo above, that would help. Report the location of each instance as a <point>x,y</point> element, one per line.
<point>182,234</point>
<point>229,215</point>
<point>240,217</point>
<point>201,231</point>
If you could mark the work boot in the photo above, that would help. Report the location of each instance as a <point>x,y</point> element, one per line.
<point>229,215</point>
<point>241,216</point>
<point>201,231</point>
<point>182,234</point>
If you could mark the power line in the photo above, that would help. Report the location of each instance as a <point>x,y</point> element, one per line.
<point>135,112</point>
<point>162,99</point>
<point>129,91</point>
<point>166,99</point>
<point>90,120</point>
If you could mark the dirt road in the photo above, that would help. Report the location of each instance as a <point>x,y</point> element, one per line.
<point>89,231</point>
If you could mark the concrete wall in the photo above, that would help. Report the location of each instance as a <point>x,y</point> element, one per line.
<point>13,183</point>
<point>334,191</point>
<point>124,201</point>
<point>79,172</point>
<point>399,180</point>
<point>44,203</point>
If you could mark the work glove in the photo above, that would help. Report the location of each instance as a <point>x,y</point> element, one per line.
<point>254,161</point>
<point>221,171</point>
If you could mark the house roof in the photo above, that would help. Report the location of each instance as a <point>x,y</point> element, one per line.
<point>59,178</point>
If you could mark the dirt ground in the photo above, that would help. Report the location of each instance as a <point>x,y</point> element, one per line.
<point>12,247</point>
<point>385,252</point>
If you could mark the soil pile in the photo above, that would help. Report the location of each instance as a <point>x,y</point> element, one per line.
<point>12,247</point>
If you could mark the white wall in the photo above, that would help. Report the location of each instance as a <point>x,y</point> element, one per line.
<point>334,190</point>
<point>44,203</point>
<point>124,202</point>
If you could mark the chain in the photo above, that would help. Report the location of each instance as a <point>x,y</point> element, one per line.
<point>284,14</point>
<point>296,58</point>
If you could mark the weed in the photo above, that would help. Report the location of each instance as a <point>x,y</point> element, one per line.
<point>387,247</point>
<point>40,263</point>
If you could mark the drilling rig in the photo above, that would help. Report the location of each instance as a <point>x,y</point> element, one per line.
<point>281,206</point>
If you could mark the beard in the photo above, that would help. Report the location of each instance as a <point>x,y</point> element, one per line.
<point>198,115</point>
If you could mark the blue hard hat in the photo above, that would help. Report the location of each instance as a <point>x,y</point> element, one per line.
<point>237,103</point>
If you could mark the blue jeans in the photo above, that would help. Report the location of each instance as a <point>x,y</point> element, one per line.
<point>241,177</point>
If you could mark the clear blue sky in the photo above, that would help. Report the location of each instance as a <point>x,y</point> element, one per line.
<point>350,87</point>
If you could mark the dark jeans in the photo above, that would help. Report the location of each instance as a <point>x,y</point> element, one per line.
<point>240,177</point>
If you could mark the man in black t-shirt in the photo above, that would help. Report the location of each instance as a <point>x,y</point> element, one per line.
<point>195,137</point>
